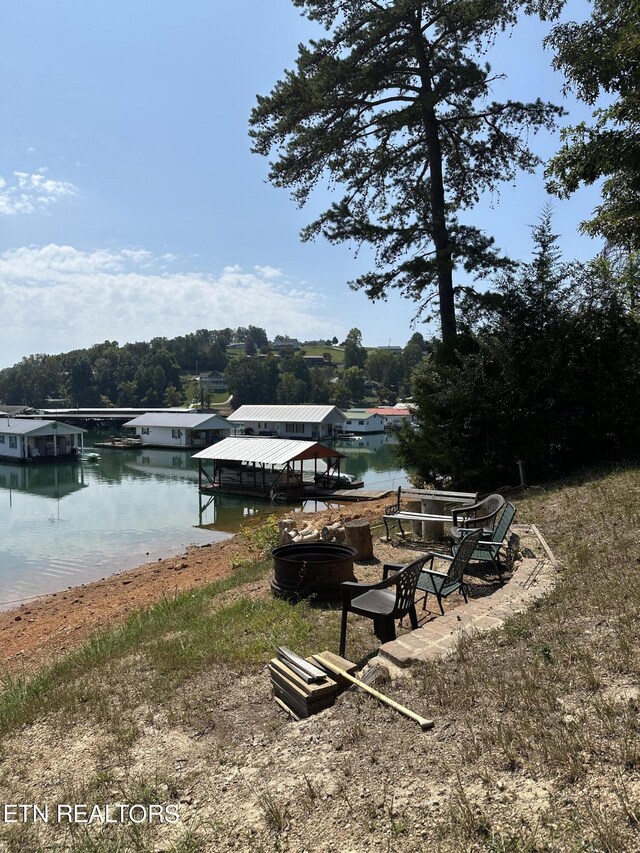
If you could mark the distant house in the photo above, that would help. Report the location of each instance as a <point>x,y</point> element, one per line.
<point>393,417</point>
<point>306,422</point>
<point>32,440</point>
<point>315,360</point>
<point>212,381</point>
<point>363,421</point>
<point>285,343</point>
<point>179,429</point>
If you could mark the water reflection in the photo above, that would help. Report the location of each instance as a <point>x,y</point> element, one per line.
<point>46,481</point>
<point>69,523</point>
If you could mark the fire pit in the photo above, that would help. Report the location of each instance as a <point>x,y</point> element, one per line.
<point>311,568</point>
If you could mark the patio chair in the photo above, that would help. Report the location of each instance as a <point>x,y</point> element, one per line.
<point>482,514</point>
<point>384,602</point>
<point>490,551</point>
<point>442,584</point>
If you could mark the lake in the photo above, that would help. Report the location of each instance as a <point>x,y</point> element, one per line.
<point>62,525</point>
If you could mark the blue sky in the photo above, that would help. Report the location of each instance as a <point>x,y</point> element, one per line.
<point>131,206</point>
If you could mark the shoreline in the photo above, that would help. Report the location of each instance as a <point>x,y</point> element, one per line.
<point>37,631</point>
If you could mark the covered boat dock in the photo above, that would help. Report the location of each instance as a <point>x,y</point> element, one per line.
<point>266,467</point>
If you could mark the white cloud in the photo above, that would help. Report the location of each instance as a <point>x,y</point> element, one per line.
<point>32,192</point>
<point>57,298</point>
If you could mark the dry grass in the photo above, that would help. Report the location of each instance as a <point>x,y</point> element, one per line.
<point>537,738</point>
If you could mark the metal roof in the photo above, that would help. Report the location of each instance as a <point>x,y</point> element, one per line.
<point>287,414</point>
<point>26,426</point>
<point>194,420</point>
<point>266,451</point>
<point>390,411</point>
<point>361,414</point>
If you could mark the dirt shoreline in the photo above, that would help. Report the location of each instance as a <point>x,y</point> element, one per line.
<point>37,631</point>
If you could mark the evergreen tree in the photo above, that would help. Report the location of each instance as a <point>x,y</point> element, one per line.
<point>551,358</point>
<point>601,57</point>
<point>393,106</point>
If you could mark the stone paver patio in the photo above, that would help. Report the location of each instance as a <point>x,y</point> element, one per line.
<point>533,577</point>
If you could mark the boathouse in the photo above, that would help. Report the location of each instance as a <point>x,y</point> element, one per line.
<point>363,421</point>
<point>266,467</point>
<point>394,416</point>
<point>31,440</point>
<point>179,429</point>
<point>299,422</point>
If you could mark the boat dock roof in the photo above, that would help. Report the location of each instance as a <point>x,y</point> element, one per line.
<point>266,451</point>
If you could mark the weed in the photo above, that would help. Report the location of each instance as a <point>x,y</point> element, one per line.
<point>276,816</point>
<point>312,790</point>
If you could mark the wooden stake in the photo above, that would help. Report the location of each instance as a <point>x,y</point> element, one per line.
<point>332,667</point>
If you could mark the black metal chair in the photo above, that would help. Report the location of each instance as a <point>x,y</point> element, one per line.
<point>483,514</point>
<point>383,602</point>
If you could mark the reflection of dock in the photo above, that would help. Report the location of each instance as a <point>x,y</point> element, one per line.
<point>46,481</point>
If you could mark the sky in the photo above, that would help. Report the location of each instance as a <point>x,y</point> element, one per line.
<point>131,206</point>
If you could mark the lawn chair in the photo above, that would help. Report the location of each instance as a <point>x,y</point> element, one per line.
<point>383,602</point>
<point>442,584</point>
<point>484,514</point>
<point>490,551</point>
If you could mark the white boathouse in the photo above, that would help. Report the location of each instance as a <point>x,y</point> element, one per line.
<point>309,423</point>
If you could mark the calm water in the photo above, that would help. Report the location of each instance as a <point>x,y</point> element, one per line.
<point>62,525</point>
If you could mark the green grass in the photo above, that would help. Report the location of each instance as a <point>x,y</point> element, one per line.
<point>161,647</point>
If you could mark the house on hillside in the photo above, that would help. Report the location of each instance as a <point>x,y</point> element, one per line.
<point>211,381</point>
<point>179,429</point>
<point>34,440</point>
<point>305,422</point>
<point>363,421</point>
<point>316,361</point>
<point>282,342</point>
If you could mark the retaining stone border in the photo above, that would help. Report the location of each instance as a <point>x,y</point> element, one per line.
<point>532,579</point>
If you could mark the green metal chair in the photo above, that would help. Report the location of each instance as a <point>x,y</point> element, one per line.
<point>490,551</point>
<point>442,584</point>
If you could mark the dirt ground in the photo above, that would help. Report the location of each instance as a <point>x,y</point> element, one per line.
<point>242,774</point>
<point>34,632</point>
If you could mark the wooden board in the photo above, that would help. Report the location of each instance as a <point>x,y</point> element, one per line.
<point>343,663</point>
<point>308,692</point>
<point>301,709</point>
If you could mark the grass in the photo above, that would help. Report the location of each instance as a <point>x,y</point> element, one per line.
<point>159,648</point>
<point>551,702</point>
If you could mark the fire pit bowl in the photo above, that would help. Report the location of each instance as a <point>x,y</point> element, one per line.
<point>311,568</point>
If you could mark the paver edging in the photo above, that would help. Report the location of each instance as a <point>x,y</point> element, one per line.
<point>532,579</point>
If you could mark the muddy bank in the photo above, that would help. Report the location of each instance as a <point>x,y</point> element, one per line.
<point>37,631</point>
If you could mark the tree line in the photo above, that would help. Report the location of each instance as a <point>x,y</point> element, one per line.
<point>155,373</point>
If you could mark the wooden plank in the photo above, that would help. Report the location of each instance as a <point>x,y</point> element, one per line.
<point>299,699</point>
<point>307,671</point>
<point>343,664</point>
<point>309,690</point>
<point>286,708</point>
<point>300,708</point>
